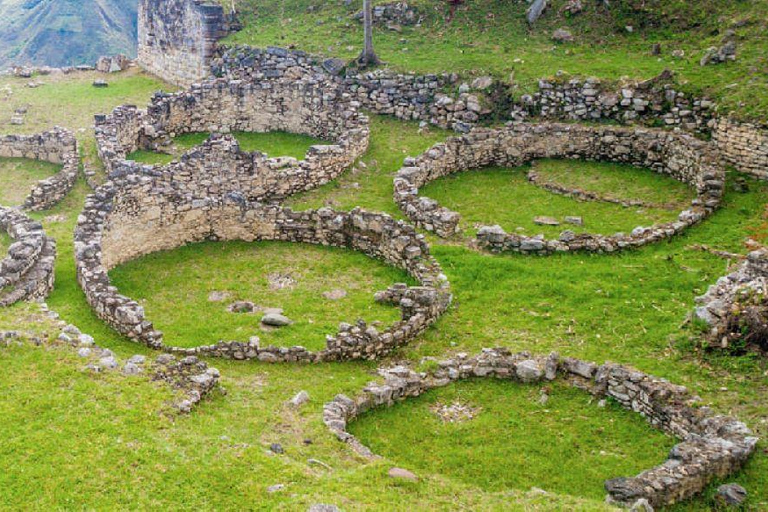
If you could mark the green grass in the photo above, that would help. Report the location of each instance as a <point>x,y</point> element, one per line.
<point>505,197</point>
<point>623,182</point>
<point>491,37</point>
<point>189,274</point>
<point>5,243</point>
<point>568,445</point>
<point>19,175</point>
<point>274,144</point>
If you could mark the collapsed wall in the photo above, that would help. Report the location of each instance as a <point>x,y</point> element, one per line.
<point>177,38</point>
<point>677,155</point>
<point>57,146</point>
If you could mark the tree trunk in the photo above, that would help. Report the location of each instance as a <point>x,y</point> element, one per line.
<point>368,57</point>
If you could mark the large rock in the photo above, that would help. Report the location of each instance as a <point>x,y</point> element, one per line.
<point>275,320</point>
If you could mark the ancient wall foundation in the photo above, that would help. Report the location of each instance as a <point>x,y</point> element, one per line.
<point>301,106</point>
<point>26,272</point>
<point>137,215</point>
<point>680,156</point>
<point>743,145</point>
<point>57,146</point>
<point>711,446</point>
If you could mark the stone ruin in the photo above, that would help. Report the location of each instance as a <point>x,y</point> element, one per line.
<point>222,106</point>
<point>734,308</point>
<point>138,214</point>
<point>26,272</point>
<point>711,446</point>
<point>57,146</point>
<point>680,156</point>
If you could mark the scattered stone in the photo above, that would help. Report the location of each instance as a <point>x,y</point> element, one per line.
<point>562,35</point>
<point>732,495</point>
<point>322,507</point>
<point>275,488</point>
<point>576,221</point>
<point>335,294</point>
<point>100,83</point>
<point>316,462</point>
<point>402,474</point>
<point>275,320</point>
<point>457,412</point>
<point>300,399</point>
<point>278,281</point>
<point>109,362</point>
<point>482,83</point>
<point>241,306</point>
<point>84,352</point>
<point>546,221</point>
<point>277,448</point>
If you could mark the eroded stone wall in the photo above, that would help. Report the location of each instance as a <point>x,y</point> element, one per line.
<point>57,146</point>
<point>711,446</point>
<point>680,156</point>
<point>26,272</point>
<point>138,215</point>
<point>219,166</point>
<point>177,38</point>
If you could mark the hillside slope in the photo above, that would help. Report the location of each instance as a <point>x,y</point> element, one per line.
<point>65,32</point>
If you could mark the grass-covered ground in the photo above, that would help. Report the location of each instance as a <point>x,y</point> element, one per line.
<point>505,197</point>
<point>271,275</point>
<point>492,37</point>
<point>19,175</point>
<point>274,144</point>
<point>507,438</point>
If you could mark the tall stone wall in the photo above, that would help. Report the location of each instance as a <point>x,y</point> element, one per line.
<point>743,145</point>
<point>177,38</point>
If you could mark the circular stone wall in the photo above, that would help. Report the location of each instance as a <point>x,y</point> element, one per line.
<point>140,214</point>
<point>314,108</point>
<point>57,146</point>
<point>26,272</point>
<point>680,156</point>
<point>712,446</point>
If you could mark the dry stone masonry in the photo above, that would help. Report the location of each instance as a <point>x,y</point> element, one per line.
<point>137,215</point>
<point>57,146</point>
<point>178,37</point>
<point>678,155</point>
<point>734,308</point>
<point>711,446</point>
<point>222,106</point>
<point>26,272</point>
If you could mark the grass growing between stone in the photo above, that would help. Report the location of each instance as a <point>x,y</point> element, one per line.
<point>504,196</point>
<point>19,175</point>
<point>175,289</point>
<point>568,445</point>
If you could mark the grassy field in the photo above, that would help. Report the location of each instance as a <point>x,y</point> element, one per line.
<point>274,144</point>
<point>19,175</point>
<point>505,197</point>
<point>568,442</point>
<point>270,274</point>
<point>491,37</point>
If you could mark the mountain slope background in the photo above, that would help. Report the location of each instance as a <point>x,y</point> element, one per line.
<point>65,32</point>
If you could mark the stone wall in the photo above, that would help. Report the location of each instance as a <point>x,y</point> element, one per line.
<point>743,145</point>
<point>300,106</point>
<point>57,146</point>
<point>445,101</point>
<point>678,155</point>
<point>177,38</point>
<point>139,214</point>
<point>711,446</point>
<point>26,272</point>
